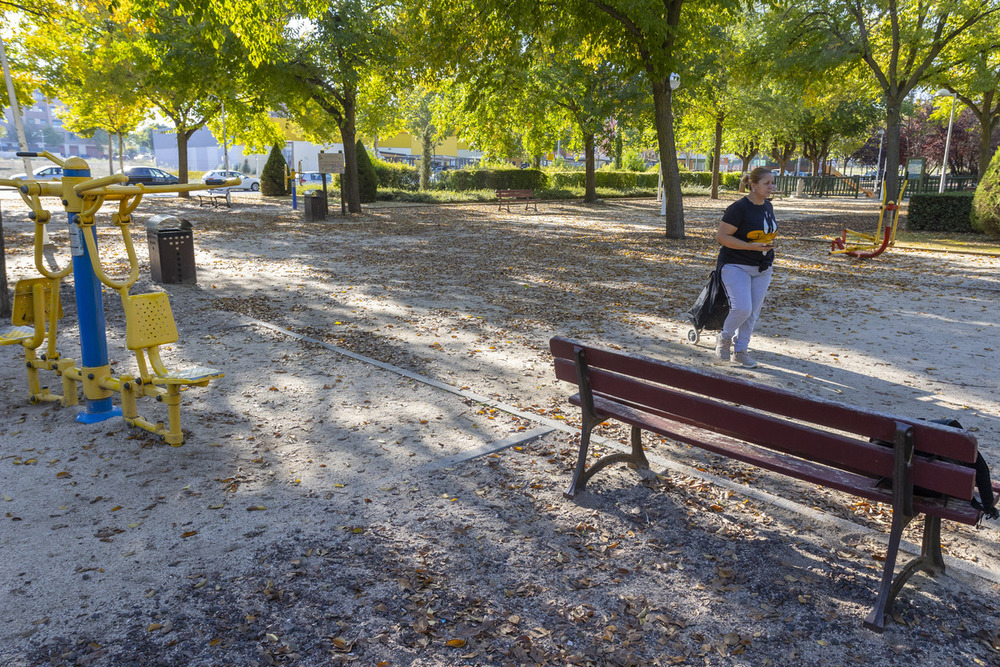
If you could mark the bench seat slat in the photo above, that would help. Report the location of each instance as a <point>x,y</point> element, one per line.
<point>845,453</point>
<point>930,438</point>
<point>808,471</point>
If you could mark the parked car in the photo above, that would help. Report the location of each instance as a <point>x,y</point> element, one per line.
<point>311,178</point>
<point>149,176</point>
<point>246,182</point>
<point>47,173</point>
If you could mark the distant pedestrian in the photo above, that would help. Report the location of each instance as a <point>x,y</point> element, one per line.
<point>746,235</point>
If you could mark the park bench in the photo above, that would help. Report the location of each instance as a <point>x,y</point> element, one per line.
<point>214,198</point>
<point>505,197</point>
<point>828,443</point>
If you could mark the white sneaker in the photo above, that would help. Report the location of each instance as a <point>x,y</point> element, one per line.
<point>722,348</point>
<point>744,359</point>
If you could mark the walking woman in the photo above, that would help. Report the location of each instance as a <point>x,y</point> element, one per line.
<point>746,235</point>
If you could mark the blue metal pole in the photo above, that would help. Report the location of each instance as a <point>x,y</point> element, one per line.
<point>90,313</point>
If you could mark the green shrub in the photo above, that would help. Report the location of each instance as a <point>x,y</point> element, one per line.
<point>272,177</point>
<point>729,181</point>
<point>396,176</point>
<point>367,178</point>
<point>697,178</point>
<point>985,213</point>
<point>612,180</point>
<point>933,212</point>
<point>493,179</point>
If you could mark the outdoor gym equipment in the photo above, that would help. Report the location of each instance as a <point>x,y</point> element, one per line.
<point>865,246</point>
<point>37,303</point>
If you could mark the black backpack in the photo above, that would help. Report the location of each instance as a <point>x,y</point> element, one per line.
<point>986,502</point>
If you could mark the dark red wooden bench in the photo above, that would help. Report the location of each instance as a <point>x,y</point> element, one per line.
<point>749,422</point>
<point>505,197</point>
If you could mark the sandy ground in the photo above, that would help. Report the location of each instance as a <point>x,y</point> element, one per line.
<point>377,479</point>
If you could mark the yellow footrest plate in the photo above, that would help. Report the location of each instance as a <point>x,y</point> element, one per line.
<point>11,335</point>
<point>190,375</point>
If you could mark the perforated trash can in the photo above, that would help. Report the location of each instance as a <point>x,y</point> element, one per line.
<point>171,250</point>
<point>314,206</point>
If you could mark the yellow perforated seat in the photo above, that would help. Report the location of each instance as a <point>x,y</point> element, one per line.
<point>34,295</point>
<point>149,323</point>
<point>37,310</point>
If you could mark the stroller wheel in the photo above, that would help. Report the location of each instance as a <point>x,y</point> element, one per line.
<point>693,335</point>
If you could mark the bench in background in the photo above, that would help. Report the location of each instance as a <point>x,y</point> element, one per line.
<point>505,197</point>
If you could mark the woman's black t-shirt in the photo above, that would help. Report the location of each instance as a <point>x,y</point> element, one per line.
<point>754,223</point>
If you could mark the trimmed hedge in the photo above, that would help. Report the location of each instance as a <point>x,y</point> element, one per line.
<point>933,212</point>
<point>986,202</point>
<point>615,180</point>
<point>396,176</point>
<point>493,179</point>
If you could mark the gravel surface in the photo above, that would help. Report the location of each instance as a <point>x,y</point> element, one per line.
<point>378,478</point>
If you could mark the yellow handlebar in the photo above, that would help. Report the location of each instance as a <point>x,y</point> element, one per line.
<point>45,154</point>
<point>100,183</point>
<point>115,192</point>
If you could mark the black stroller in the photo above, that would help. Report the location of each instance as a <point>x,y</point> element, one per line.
<point>710,308</point>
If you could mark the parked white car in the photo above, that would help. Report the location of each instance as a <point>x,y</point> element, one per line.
<point>246,182</point>
<point>49,173</point>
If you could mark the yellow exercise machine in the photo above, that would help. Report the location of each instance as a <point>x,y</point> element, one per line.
<point>149,321</point>
<point>864,246</point>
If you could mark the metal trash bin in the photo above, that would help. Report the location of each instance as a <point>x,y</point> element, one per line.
<point>171,250</point>
<point>314,205</point>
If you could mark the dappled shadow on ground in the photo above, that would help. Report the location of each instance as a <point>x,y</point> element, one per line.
<point>394,563</point>
<point>485,564</point>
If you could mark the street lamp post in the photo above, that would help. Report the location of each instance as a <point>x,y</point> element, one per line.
<point>947,141</point>
<point>675,81</point>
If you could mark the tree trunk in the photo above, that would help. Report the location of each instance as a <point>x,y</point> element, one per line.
<point>348,133</point>
<point>183,135</point>
<point>590,179</point>
<point>987,123</point>
<point>121,151</point>
<point>4,293</point>
<point>717,156</point>
<point>674,222</point>
<point>427,157</point>
<point>618,148</point>
<point>111,156</point>
<point>782,155</point>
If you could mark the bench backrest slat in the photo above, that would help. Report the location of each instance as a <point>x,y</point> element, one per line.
<point>928,438</point>
<point>832,449</point>
<point>832,478</point>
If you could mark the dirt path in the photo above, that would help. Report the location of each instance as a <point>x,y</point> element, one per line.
<point>387,535</point>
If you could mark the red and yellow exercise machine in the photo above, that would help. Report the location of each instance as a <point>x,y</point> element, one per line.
<point>865,246</point>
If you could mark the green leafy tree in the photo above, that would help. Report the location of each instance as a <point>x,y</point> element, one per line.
<point>272,177</point>
<point>976,83</point>
<point>902,45</point>
<point>587,90</point>
<point>318,69</point>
